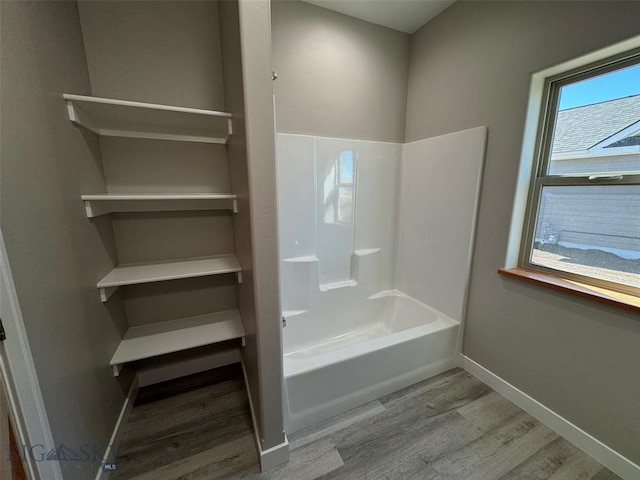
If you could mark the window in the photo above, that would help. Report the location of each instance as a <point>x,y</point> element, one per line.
<point>338,189</point>
<point>583,212</point>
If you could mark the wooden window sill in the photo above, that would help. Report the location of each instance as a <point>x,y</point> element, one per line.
<point>602,295</point>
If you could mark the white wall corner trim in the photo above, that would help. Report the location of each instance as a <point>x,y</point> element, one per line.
<point>273,456</point>
<point>604,454</point>
<point>111,451</point>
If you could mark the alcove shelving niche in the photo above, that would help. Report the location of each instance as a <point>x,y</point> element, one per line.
<point>128,119</point>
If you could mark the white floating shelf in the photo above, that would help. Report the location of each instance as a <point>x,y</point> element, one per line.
<point>133,274</point>
<point>96,205</point>
<point>122,118</point>
<point>156,339</point>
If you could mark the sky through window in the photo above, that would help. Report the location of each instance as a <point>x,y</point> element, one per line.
<point>618,84</point>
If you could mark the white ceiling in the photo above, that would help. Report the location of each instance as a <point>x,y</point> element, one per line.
<point>404,15</point>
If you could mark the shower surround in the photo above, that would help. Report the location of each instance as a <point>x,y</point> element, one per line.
<point>375,248</point>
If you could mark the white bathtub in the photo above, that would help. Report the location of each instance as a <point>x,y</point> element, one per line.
<point>399,341</point>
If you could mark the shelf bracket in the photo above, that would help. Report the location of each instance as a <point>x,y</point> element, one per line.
<point>239,275</point>
<point>106,292</point>
<point>80,119</point>
<point>234,207</point>
<point>244,342</point>
<point>116,370</point>
<point>95,209</point>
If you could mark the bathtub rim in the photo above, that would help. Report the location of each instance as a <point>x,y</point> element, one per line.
<point>293,366</point>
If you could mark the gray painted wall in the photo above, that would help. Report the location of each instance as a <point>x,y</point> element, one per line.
<point>471,66</point>
<point>338,76</point>
<point>154,51</point>
<point>255,42</point>
<point>56,254</point>
<point>246,43</point>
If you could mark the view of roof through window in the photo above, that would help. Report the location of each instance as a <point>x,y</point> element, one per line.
<point>600,112</point>
<point>581,129</point>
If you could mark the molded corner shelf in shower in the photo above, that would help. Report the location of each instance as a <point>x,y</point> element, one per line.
<point>293,313</point>
<point>308,259</point>
<point>133,274</point>
<point>122,118</point>
<point>156,339</point>
<point>102,204</point>
<point>325,287</point>
<point>365,251</point>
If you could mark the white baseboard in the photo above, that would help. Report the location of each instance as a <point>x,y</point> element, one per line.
<point>118,431</point>
<point>273,456</point>
<point>618,464</point>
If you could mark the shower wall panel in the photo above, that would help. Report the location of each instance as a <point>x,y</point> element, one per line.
<point>337,215</point>
<point>439,192</point>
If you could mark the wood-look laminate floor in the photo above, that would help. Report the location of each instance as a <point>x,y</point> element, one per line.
<point>449,427</point>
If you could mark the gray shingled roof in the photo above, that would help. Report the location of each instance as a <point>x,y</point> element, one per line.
<point>581,128</point>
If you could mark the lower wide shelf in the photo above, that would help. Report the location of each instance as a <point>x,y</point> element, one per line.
<point>156,339</point>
